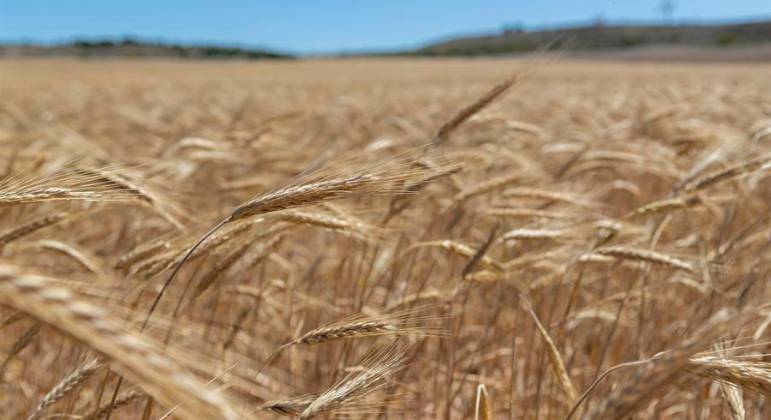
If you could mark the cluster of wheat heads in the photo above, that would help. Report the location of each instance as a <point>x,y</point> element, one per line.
<point>384,239</point>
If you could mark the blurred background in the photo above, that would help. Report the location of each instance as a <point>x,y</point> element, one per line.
<point>656,29</point>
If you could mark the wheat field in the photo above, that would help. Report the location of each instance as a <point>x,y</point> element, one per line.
<point>384,238</point>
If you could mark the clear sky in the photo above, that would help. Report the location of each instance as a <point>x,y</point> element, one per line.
<point>326,26</point>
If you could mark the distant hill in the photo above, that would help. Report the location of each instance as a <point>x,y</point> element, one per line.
<point>731,42</point>
<point>134,48</point>
<point>603,37</point>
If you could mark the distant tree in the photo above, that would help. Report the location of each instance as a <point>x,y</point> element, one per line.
<point>85,44</point>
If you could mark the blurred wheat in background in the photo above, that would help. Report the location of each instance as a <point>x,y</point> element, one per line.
<point>387,238</point>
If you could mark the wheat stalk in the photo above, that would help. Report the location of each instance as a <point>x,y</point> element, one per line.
<point>541,194</point>
<point>461,249</point>
<point>482,409</point>
<point>29,228</point>
<point>143,252</point>
<point>375,368</point>
<point>555,359</point>
<point>133,356</point>
<point>646,256</point>
<point>347,330</point>
<point>126,399</point>
<point>67,385</point>
<point>667,205</point>
<point>20,344</point>
<point>750,375</point>
<point>131,186</point>
<point>528,234</point>
<point>733,172</point>
<point>66,185</point>
<point>522,212</point>
<point>292,407</point>
<point>661,371</point>
<point>82,257</point>
<point>223,264</point>
<point>352,228</point>
<point>465,113</point>
<point>486,187</point>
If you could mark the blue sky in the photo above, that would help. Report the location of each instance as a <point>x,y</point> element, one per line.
<point>326,26</point>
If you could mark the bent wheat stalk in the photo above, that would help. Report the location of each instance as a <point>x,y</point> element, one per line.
<point>81,256</point>
<point>555,359</point>
<point>375,179</point>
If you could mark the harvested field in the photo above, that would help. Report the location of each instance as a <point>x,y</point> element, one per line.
<point>384,238</point>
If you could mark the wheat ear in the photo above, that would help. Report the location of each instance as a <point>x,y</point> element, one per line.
<point>291,407</point>
<point>67,385</point>
<point>356,385</point>
<point>134,356</point>
<point>29,228</point>
<point>645,255</point>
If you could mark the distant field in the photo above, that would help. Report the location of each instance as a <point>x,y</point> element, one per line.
<point>595,240</point>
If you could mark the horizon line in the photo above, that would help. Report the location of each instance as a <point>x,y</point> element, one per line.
<point>565,25</point>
